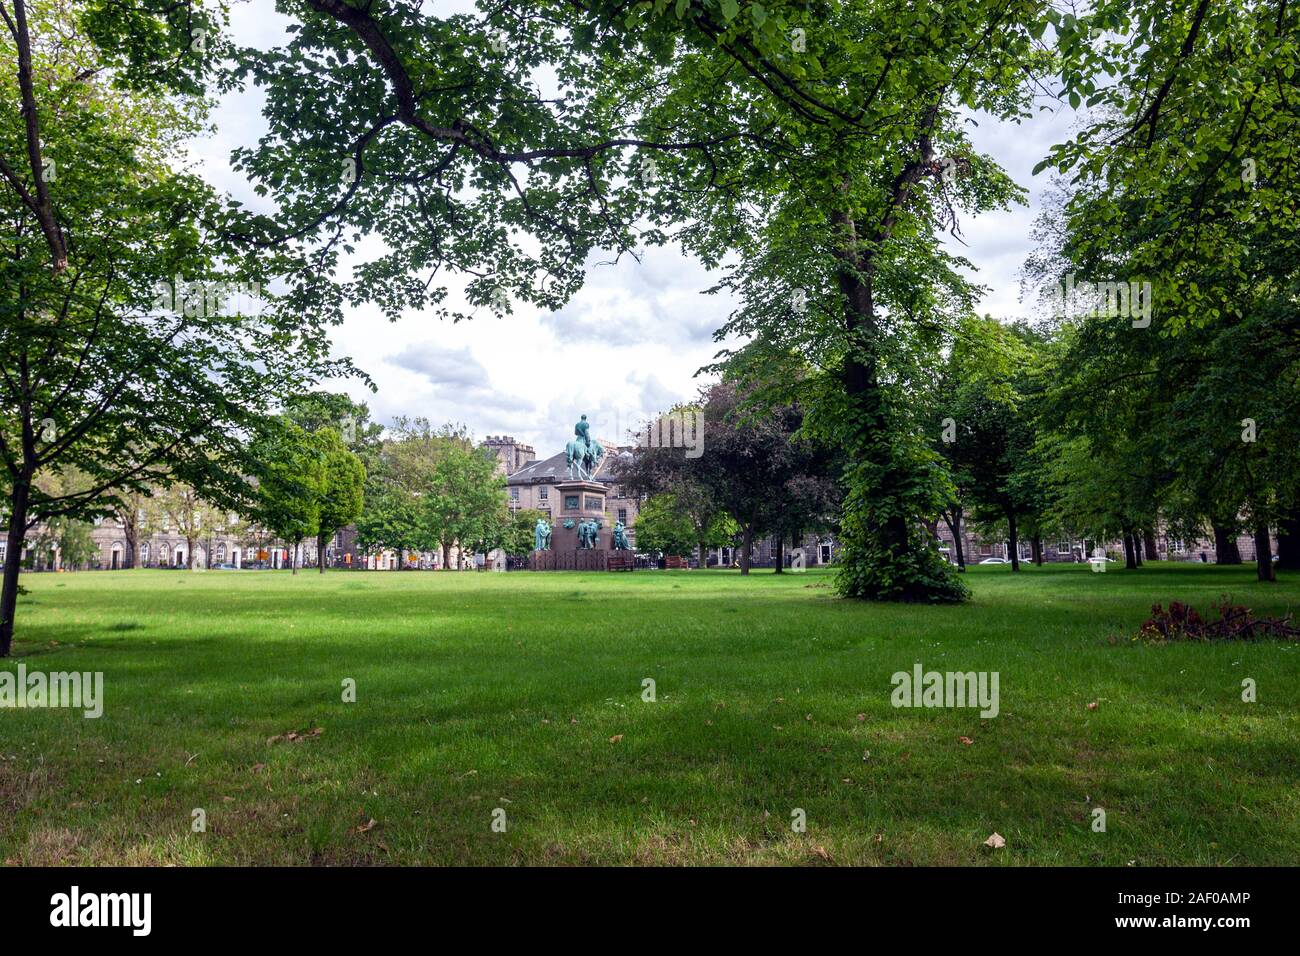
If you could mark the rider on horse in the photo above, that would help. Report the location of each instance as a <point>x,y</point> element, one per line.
<point>583,451</point>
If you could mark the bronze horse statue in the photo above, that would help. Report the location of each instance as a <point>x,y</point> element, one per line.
<point>583,456</point>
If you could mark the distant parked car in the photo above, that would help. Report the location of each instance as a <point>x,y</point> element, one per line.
<point>224,567</point>
<point>995,561</point>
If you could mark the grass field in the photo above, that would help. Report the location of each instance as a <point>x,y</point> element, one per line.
<point>523,692</point>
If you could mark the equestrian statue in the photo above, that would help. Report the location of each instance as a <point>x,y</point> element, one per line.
<point>583,453</point>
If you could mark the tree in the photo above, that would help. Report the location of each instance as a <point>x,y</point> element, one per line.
<point>657,471</point>
<point>662,525</point>
<point>464,500</point>
<point>988,434</point>
<point>1185,175</point>
<point>180,507</point>
<point>318,410</point>
<point>517,536</point>
<point>69,538</point>
<point>753,469</point>
<point>432,134</point>
<point>390,520</point>
<point>291,483</point>
<point>854,158</point>
<point>121,353</point>
<point>129,509</point>
<point>342,489</point>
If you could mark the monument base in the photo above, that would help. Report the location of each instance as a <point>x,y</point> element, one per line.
<point>586,559</point>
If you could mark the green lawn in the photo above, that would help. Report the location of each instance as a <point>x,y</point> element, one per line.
<point>479,691</point>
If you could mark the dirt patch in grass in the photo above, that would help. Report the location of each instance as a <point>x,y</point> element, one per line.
<point>52,846</point>
<point>20,787</point>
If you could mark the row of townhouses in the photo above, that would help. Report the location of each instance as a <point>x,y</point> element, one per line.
<point>531,484</point>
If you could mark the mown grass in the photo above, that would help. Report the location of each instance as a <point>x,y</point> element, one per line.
<point>480,691</point>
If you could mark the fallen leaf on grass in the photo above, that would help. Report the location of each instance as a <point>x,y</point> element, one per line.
<point>258,767</point>
<point>616,738</point>
<point>294,736</point>
<point>996,840</point>
<point>1093,705</point>
<point>821,852</point>
<point>366,827</point>
<point>966,740</point>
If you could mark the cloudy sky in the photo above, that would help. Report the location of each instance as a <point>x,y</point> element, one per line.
<point>639,330</point>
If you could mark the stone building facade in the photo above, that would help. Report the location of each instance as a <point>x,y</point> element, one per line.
<point>1057,549</point>
<point>512,454</point>
<point>167,548</point>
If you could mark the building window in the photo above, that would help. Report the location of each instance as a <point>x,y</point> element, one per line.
<point>543,493</point>
<point>986,549</point>
<point>514,494</point>
<point>1177,545</point>
<point>622,515</point>
<point>1062,547</point>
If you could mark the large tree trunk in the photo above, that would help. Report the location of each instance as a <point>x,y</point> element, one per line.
<point>1225,546</point>
<point>1130,554</point>
<point>704,555</point>
<point>1036,547</point>
<point>1263,555</point>
<point>881,558</point>
<point>1013,541</point>
<point>953,521</point>
<point>189,552</point>
<point>866,401</point>
<point>747,541</point>
<point>1149,542</point>
<point>18,499</point>
<point>1288,542</point>
<point>1137,548</point>
<point>780,553</point>
<point>131,535</point>
<point>320,552</point>
<point>293,556</point>
<point>446,556</point>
